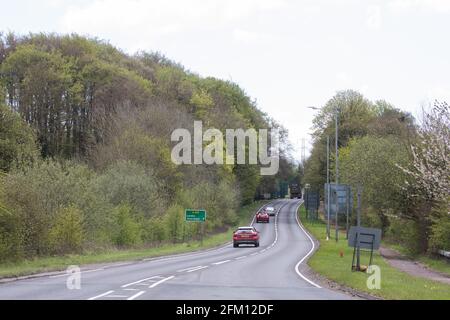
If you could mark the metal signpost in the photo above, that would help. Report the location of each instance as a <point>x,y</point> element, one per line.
<point>363,238</point>
<point>338,199</point>
<point>191,215</point>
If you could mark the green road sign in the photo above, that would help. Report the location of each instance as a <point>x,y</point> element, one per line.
<point>195,215</point>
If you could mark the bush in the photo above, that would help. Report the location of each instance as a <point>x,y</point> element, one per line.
<point>404,232</point>
<point>128,182</point>
<point>128,230</point>
<point>174,222</point>
<point>66,235</point>
<point>440,231</point>
<point>154,230</point>
<point>10,236</point>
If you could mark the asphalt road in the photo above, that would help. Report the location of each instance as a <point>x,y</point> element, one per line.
<point>272,271</point>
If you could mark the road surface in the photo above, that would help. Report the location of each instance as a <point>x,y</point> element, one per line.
<point>272,271</point>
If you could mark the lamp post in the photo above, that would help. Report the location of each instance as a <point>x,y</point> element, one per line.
<point>328,188</point>
<point>336,110</point>
<point>328,180</point>
<point>337,172</point>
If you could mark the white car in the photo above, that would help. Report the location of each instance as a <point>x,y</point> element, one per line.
<point>270,211</point>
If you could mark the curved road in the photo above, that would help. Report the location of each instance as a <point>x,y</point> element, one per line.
<point>272,271</point>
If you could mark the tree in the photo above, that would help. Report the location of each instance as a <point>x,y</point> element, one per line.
<point>373,163</point>
<point>17,140</point>
<point>431,156</point>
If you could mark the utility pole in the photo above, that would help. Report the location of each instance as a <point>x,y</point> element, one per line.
<point>358,224</point>
<point>303,152</point>
<point>328,188</point>
<point>337,173</point>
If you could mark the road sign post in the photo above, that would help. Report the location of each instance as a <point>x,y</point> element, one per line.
<point>363,238</point>
<point>191,215</point>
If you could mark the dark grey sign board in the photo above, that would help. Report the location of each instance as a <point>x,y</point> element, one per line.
<point>312,200</point>
<point>365,238</point>
<point>345,198</point>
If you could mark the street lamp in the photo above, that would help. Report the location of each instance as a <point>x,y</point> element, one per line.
<point>337,110</point>
<point>328,179</point>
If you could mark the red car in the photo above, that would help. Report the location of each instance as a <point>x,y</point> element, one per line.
<point>262,216</point>
<point>246,235</point>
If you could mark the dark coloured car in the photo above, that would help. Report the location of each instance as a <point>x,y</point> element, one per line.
<point>262,216</point>
<point>246,235</point>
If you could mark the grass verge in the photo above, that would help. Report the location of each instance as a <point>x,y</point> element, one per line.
<point>47,264</point>
<point>394,283</point>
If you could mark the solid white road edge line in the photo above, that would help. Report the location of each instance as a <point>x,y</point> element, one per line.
<point>161,281</point>
<point>136,295</point>
<point>101,295</point>
<point>307,255</point>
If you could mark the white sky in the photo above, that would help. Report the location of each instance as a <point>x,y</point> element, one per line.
<point>286,54</point>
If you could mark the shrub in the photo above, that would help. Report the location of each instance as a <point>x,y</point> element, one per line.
<point>174,223</point>
<point>154,230</point>
<point>66,235</point>
<point>128,182</point>
<point>128,230</point>
<point>440,230</point>
<point>10,237</point>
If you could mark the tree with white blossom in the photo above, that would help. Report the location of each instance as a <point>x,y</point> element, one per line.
<point>431,156</point>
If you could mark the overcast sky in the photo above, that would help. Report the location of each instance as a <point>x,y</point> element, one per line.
<point>286,54</point>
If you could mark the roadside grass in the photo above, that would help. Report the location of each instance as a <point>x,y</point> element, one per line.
<point>57,263</point>
<point>394,283</point>
<point>433,262</point>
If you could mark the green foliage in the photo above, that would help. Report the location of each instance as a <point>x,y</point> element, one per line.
<point>17,140</point>
<point>128,230</point>
<point>66,235</point>
<point>10,236</point>
<point>175,223</point>
<point>374,163</point>
<point>102,120</point>
<point>128,182</point>
<point>154,230</point>
<point>248,178</point>
<point>201,102</point>
<point>440,230</point>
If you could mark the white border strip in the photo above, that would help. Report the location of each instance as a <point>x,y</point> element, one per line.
<point>308,254</point>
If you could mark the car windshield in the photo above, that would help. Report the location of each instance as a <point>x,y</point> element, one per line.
<point>270,209</point>
<point>244,230</point>
<point>262,212</point>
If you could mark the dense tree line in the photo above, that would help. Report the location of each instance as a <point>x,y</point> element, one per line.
<point>401,164</point>
<point>85,147</point>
